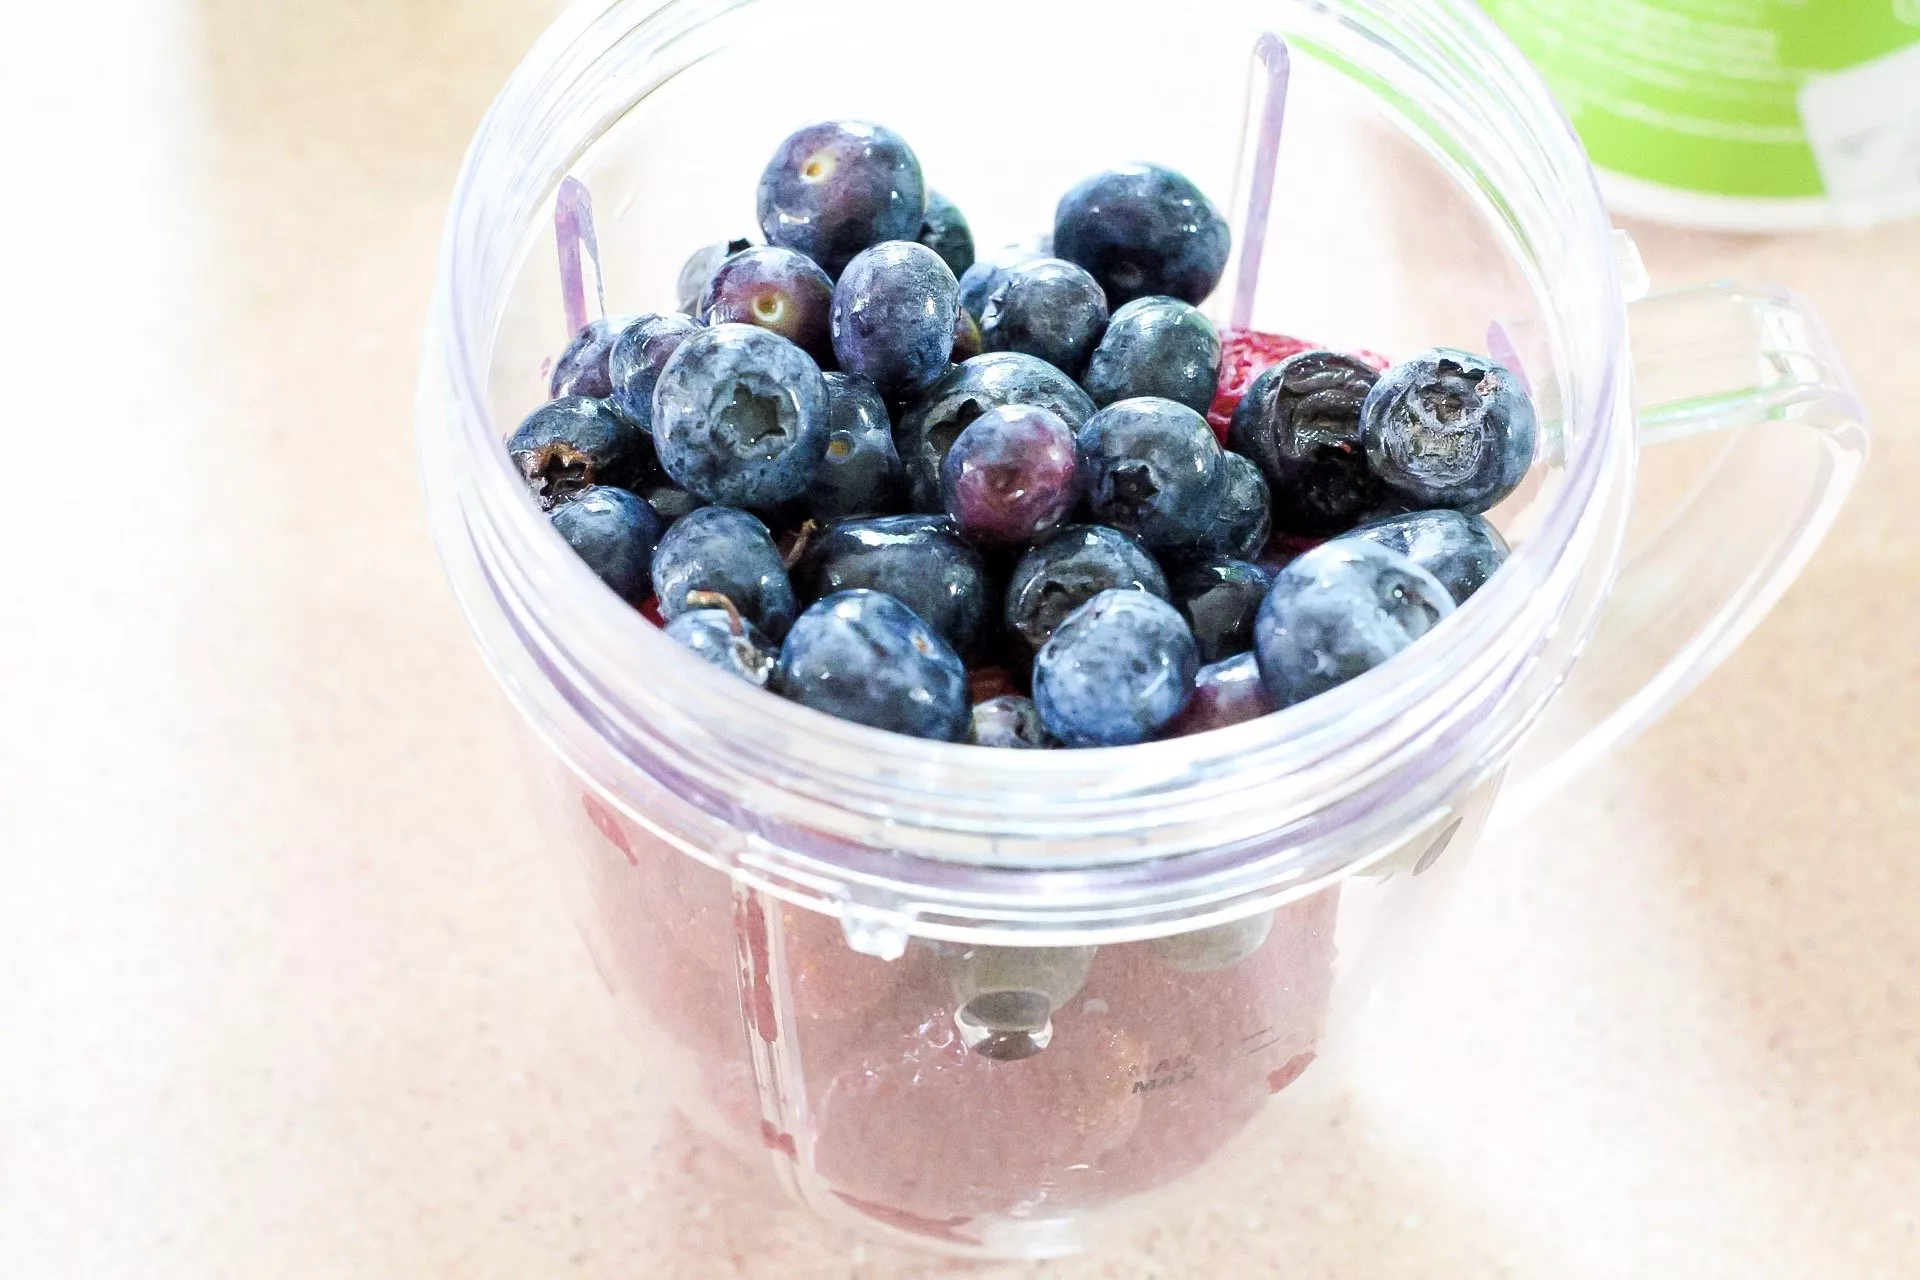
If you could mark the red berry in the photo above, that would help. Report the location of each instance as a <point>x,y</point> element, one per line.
<point>1245,354</point>
<point>650,610</point>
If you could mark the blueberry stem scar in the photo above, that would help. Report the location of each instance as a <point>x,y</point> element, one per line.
<point>714,600</point>
<point>1267,86</point>
<point>573,228</point>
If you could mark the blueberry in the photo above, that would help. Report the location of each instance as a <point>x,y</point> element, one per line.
<point>1220,598</point>
<point>717,634</point>
<point>1156,347</point>
<point>1047,308</point>
<point>978,281</point>
<point>918,560</point>
<point>1070,568</point>
<point>1450,429</point>
<point>1245,519</point>
<point>967,342</point>
<point>581,369</point>
<point>740,416</point>
<point>860,474</point>
<point>1224,693</point>
<point>699,268</point>
<point>865,657</point>
<point>1010,475</point>
<point>836,188</point>
<point>777,289</point>
<point>1461,550</point>
<point>729,553</point>
<point>945,231</point>
<point>893,316</point>
<point>1143,231</point>
<point>1153,468</point>
<point>1116,671</point>
<point>669,501</point>
<point>1300,420</point>
<point>570,443</point>
<point>1338,611</point>
<point>639,354</point>
<point>1009,721</point>
<point>615,532</point>
<point>927,430</point>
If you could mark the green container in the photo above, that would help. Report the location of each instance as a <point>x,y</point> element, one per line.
<point>1743,114</point>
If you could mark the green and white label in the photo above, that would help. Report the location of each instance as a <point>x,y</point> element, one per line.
<point>1755,98</point>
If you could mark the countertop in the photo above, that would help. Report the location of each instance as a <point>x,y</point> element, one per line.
<point>285,992</point>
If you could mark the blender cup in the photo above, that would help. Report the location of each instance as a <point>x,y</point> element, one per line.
<point>995,1002</point>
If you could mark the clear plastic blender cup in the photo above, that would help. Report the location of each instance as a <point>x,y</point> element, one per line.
<point>996,1002</point>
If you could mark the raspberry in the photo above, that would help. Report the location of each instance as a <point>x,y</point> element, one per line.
<point>1245,354</point>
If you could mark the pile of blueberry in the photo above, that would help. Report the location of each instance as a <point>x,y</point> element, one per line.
<point>868,473</point>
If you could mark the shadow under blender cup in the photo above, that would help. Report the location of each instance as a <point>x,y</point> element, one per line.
<point>784,901</point>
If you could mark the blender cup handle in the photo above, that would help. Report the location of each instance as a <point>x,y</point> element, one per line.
<point>1757,368</point>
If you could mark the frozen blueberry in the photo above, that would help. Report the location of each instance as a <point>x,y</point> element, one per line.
<point>1450,429</point>
<point>865,657</point>
<point>570,443</point>
<point>639,354</point>
<point>927,430</point>
<point>1153,467</point>
<point>945,231</point>
<point>1220,598</point>
<point>699,268</point>
<point>1224,693</point>
<point>777,289</point>
<point>1048,308</point>
<point>1156,347</point>
<point>836,188</point>
<point>1116,671</point>
<point>728,553</point>
<point>918,560</point>
<point>1010,475</point>
<point>1459,549</point>
<point>1070,568</point>
<point>717,634</point>
<point>740,416</point>
<point>1338,611</point>
<point>1143,231</point>
<point>1300,420</point>
<point>615,532</point>
<point>669,501</point>
<point>1009,721</point>
<point>860,474</point>
<point>978,281</point>
<point>893,316</point>
<point>1245,520</point>
<point>581,369</point>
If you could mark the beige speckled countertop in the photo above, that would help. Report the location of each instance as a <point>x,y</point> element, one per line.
<point>284,993</point>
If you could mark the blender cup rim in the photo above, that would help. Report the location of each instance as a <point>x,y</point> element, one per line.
<point>585,668</point>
